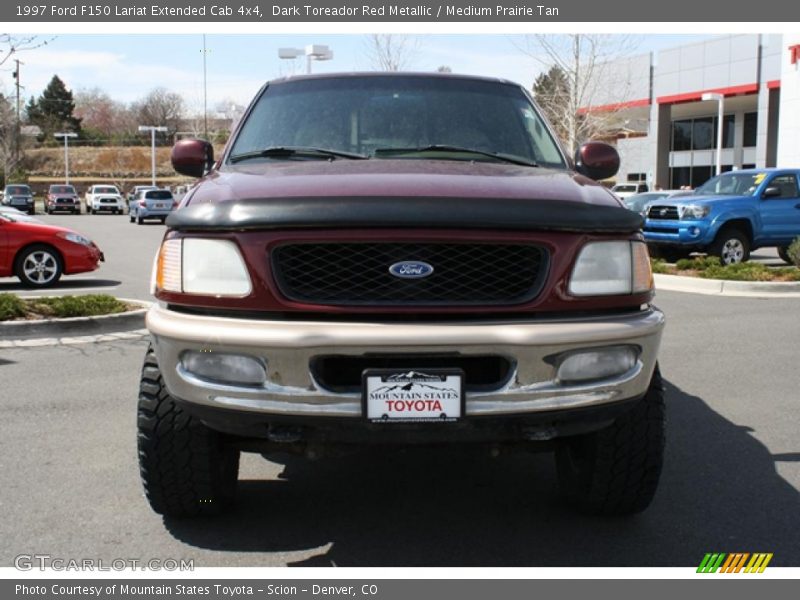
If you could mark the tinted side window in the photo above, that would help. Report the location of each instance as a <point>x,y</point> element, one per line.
<point>787,184</point>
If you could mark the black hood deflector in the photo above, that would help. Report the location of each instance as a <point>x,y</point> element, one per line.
<point>395,212</point>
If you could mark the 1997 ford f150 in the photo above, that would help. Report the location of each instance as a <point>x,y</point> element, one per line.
<point>400,259</point>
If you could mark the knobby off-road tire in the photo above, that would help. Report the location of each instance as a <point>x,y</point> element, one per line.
<point>615,471</point>
<point>185,467</point>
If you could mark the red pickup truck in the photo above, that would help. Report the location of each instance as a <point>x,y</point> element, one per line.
<point>400,259</point>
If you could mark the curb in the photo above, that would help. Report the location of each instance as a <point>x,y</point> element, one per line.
<point>52,329</point>
<point>719,287</point>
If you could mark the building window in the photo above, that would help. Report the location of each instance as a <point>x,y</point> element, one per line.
<point>680,177</point>
<point>750,129</point>
<point>682,135</point>
<point>703,134</point>
<point>700,175</point>
<point>637,176</point>
<point>728,131</point>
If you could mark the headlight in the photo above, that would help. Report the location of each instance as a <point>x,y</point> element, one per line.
<point>202,266</point>
<point>611,268</point>
<point>75,238</point>
<point>693,211</point>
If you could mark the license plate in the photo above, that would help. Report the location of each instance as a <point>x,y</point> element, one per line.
<point>159,205</point>
<point>413,395</point>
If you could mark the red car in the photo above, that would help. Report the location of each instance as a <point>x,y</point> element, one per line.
<point>39,254</point>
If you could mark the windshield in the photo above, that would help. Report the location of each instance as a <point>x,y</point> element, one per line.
<point>18,190</point>
<point>360,115</point>
<point>734,184</point>
<point>158,195</point>
<point>105,190</point>
<point>624,188</point>
<point>62,189</point>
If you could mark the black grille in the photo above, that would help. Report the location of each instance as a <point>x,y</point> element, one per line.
<point>358,274</point>
<point>663,212</point>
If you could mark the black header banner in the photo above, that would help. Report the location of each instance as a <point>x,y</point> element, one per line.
<point>443,11</point>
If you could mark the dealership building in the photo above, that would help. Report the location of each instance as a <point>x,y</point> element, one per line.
<point>667,106</point>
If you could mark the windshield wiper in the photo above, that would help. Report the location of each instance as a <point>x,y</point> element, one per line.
<point>289,151</point>
<point>448,148</point>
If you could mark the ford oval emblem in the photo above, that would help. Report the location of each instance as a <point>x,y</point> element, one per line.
<point>411,269</point>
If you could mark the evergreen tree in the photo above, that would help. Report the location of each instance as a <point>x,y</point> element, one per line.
<point>54,110</point>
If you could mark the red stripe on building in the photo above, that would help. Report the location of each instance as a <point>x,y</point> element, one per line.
<point>751,88</point>
<point>614,107</point>
<point>774,84</point>
<point>794,54</point>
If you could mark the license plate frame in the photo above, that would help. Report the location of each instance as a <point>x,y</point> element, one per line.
<point>444,382</point>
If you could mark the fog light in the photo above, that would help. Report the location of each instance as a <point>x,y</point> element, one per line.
<point>598,363</point>
<point>235,369</point>
<point>694,231</point>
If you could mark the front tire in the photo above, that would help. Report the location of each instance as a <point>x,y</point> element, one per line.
<point>38,266</point>
<point>783,253</point>
<point>732,246</point>
<point>186,468</point>
<point>615,471</point>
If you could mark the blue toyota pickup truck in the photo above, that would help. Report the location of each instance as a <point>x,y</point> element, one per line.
<point>728,216</point>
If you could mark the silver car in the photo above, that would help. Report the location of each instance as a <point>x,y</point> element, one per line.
<point>151,204</point>
<point>20,197</point>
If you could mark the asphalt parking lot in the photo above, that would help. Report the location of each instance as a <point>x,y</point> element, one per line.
<point>731,481</point>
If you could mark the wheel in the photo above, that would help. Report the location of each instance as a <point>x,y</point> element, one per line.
<point>163,220</point>
<point>38,266</point>
<point>31,211</point>
<point>615,471</point>
<point>732,246</point>
<point>140,220</point>
<point>186,468</point>
<point>783,252</point>
<point>131,217</point>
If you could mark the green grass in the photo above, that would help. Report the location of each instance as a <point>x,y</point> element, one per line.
<point>709,267</point>
<point>13,307</point>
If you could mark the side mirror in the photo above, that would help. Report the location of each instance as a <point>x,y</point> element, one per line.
<point>192,157</point>
<point>771,192</point>
<point>597,160</point>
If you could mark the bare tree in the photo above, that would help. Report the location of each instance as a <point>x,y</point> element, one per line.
<point>161,107</point>
<point>444,69</point>
<point>590,64</point>
<point>8,127</point>
<point>11,44</point>
<point>103,117</point>
<point>391,52</point>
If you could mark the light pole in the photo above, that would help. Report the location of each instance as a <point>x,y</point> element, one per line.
<point>152,129</point>
<point>720,98</point>
<point>311,52</point>
<point>66,135</point>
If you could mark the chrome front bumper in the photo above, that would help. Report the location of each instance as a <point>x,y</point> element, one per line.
<point>287,348</point>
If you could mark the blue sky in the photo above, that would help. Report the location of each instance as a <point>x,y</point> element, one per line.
<point>127,66</point>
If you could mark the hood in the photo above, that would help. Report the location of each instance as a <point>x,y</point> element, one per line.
<point>430,194</point>
<point>396,177</point>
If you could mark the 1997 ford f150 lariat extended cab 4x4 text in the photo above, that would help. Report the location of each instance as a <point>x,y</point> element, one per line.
<point>400,259</point>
